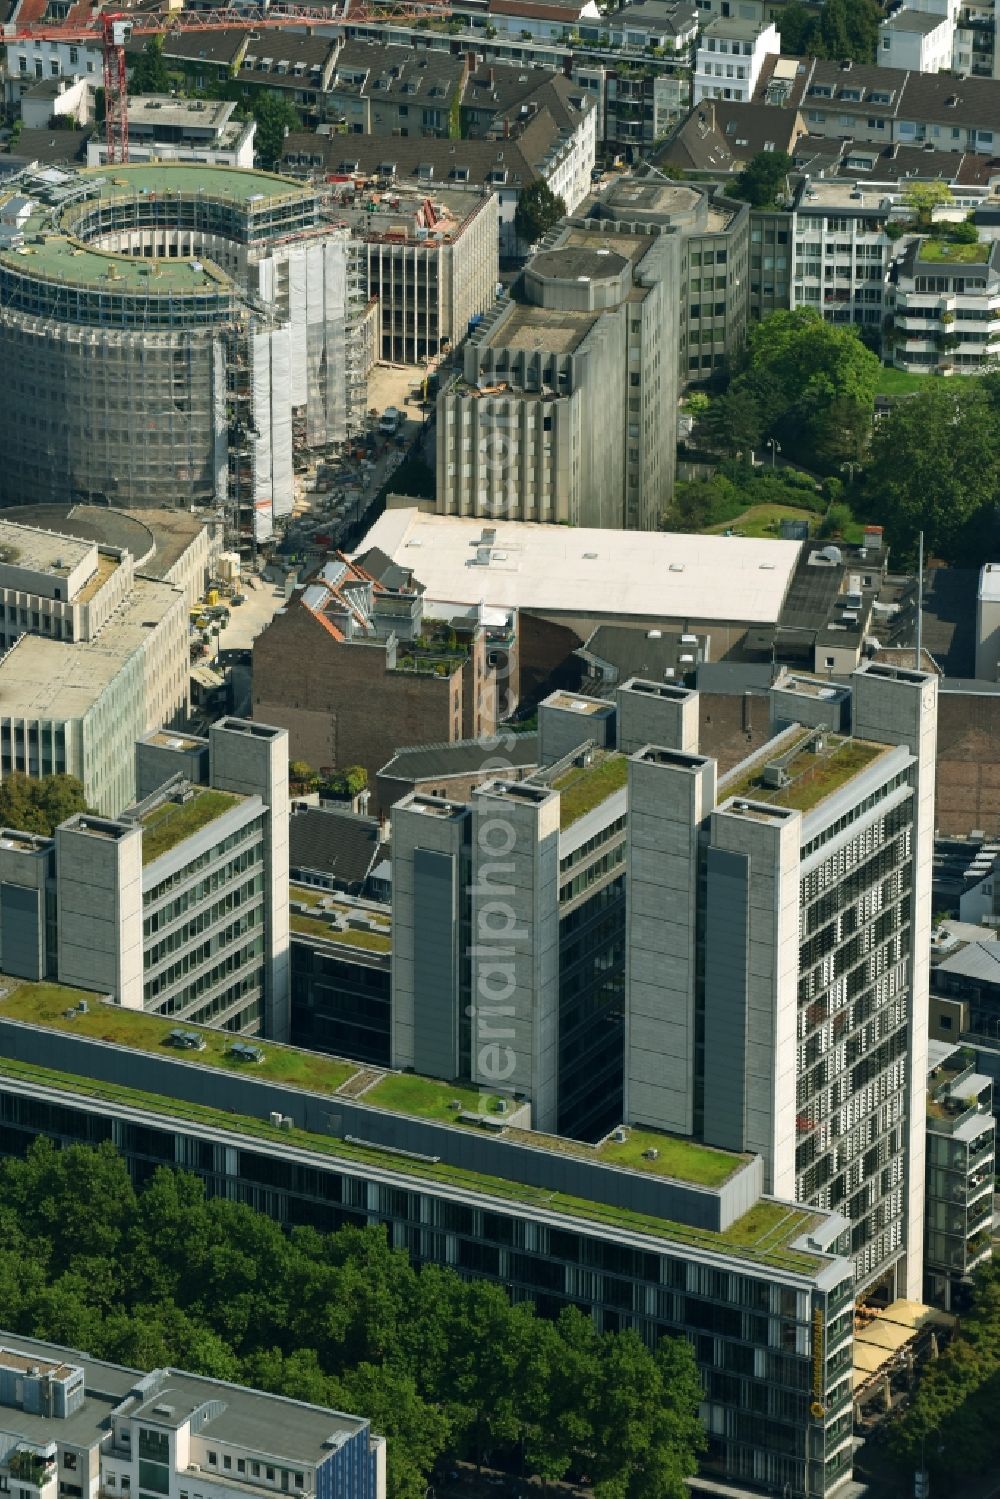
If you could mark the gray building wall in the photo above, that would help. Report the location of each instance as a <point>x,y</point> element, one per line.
<point>656,713</point>
<point>252,760</point>
<point>430,877</point>
<point>99,873</point>
<point>566,720</point>
<point>670,795</point>
<point>515,944</point>
<point>27,867</point>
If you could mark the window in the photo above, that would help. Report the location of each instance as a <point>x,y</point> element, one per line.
<point>944,1021</point>
<point>69,1461</point>
<point>270,1475</point>
<point>299,1479</point>
<point>831,661</point>
<point>213,1459</point>
<point>227,1461</point>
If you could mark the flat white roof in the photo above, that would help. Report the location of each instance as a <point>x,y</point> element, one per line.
<point>989,583</point>
<point>578,571</point>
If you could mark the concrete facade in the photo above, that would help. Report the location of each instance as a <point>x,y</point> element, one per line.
<point>527,432</point>
<point>656,713</point>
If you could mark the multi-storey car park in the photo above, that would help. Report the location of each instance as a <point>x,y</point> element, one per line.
<point>167,331</point>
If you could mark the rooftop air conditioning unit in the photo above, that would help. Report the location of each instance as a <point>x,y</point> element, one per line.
<point>619,1135</point>
<point>774,777</point>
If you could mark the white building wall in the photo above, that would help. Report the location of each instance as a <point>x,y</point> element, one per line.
<point>29,62</point>
<point>729,67</point>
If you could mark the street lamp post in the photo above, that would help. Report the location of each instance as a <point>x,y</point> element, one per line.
<point>775,446</point>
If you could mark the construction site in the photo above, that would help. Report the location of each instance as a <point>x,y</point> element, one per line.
<point>175,335</point>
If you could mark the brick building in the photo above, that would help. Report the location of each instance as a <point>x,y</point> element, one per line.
<point>354,668</point>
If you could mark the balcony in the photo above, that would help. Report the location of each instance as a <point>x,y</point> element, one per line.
<point>31,1468</point>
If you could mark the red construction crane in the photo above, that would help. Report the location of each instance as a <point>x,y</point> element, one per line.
<point>114,29</point>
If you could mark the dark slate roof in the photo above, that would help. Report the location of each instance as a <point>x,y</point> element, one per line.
<point>52,147</point>
<point>720,135</point>
<point>223,48</point>
<point>464,757</point>
<point>285,49</point>
<point>730,677</point>
<point>398,74</point>
<point>333,842</point>
<point>386,570</point>
<point>633,653</point>
<point>449,161</point>
<point>949,624</point>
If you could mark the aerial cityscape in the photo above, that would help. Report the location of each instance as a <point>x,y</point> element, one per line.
<point>499,749</point>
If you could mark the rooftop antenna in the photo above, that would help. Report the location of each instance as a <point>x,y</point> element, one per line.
<point>920,603</point>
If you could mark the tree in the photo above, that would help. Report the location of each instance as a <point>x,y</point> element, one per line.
<point>34,805</point>
<point>417,1432</point>
<point>538,208</point>
<point>935,467</point>
<point>924,197</point>
<point>847,29</point>
<point>733,421</point>
<point>762,180</point>
<point>149,72</point>
<point>275,118</point>
<point>814,385</point>
<point>798,26</point>
<point>302,776</point>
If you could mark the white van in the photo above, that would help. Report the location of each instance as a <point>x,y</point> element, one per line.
<point>389,421</point>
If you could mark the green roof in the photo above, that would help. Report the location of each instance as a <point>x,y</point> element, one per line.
<point>812,777</point>
<point>171,822</point>
<point>584,787</point>
<point>322,909</point>
<point>233,184</point>
<point>945,252</point>
<point>53,251</point>
<point>763,1234</point>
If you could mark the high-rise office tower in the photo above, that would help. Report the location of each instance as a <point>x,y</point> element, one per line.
<point>777,953</point>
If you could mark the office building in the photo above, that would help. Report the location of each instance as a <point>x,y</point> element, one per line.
<point>160,329</point>
<point>340,973</point>
<point>667,1245</point>
<point>791,998</point>
<point>162,127</point>
<point>431,258</point>
<point>714,263</point>
<point>71,1419</point>
<point>96,655</point>
<point>179,906</point>
<point>557,414</point>
<point>375,668</point>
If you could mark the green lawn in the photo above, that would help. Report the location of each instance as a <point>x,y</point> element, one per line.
<point>172,822</point>
<point>45,1004</point>
<point>893,382</point>
<point>428,1098</point>
<point>762,1235</point>
<point>762,521</point>
<point>682,1159</point>
<point>584,787</point>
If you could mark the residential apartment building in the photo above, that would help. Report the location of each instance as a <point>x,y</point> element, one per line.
<point>778,945</point>
<point>431,259</point>
<point>528,431</point>
<point>69,1419</point>
<point>95,656</point>
<point>887,105</point>
<point>730,56</point>
<point>947,307</point>
<point>667,1248</point>
<point>961,1150</point>
<point>30,62</point>
<point>917,39</point>
<point>392,90</point>
<point>374,669</point>
<point>841,253</point>
<point>162,127</point>
<point>714,263</point>
<point>556,143</point>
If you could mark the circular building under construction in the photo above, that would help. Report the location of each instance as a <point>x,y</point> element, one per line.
<point>167,333</point>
